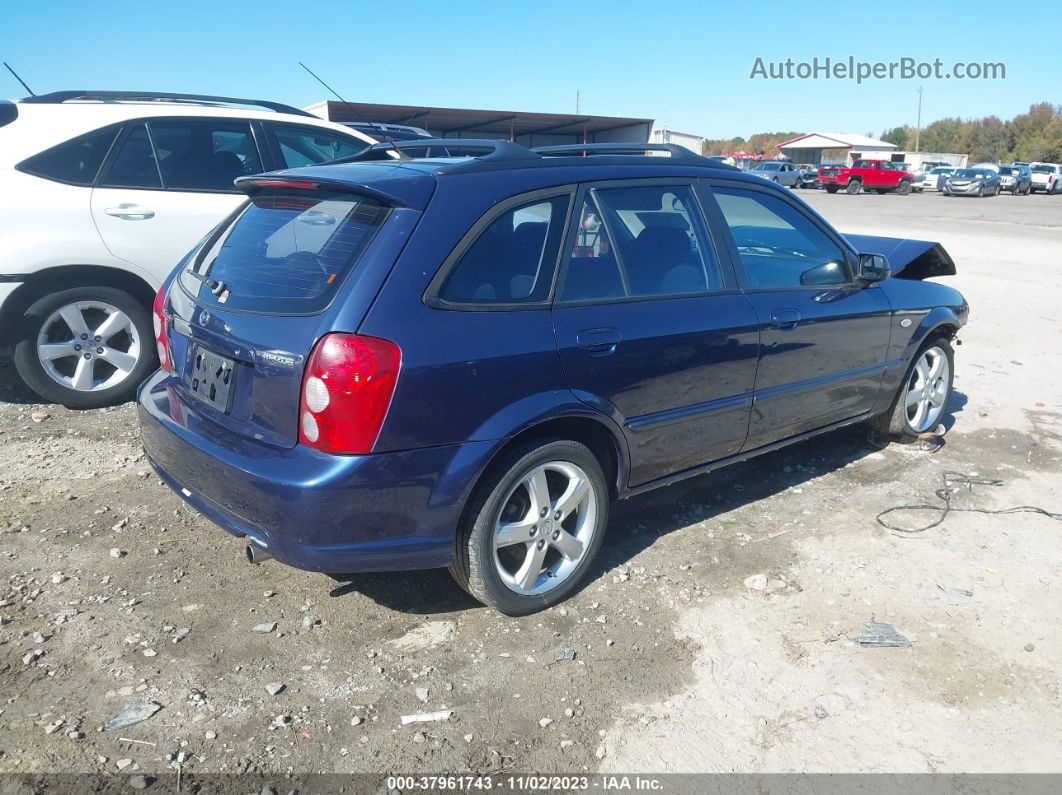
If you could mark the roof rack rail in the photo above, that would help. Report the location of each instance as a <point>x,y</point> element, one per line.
<point>58,97</point>
<point>477,148</point>
<point>677,153</point>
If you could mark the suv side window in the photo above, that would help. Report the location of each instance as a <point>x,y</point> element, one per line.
<point>133,164</point>
<point>513,258</point>
<point>780,247</point>
<point>307,146</point>
<point>652,244</point>
<point>204,155</point>
<point>75,162</point>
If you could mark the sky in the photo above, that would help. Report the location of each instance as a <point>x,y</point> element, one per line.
<point>685,64</point>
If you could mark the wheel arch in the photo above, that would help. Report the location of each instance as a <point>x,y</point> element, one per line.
<point>62,277</point>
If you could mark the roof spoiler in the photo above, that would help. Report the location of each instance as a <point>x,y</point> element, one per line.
<point>479,148</point>
<point>8,112</point>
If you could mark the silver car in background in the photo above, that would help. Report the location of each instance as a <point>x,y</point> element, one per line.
<point>780,171</point>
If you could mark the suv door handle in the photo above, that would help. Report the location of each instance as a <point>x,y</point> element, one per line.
<point>599,341</point>
<point>785,319</point>
<point>130,212</point>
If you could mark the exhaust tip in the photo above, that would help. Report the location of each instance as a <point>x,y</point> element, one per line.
<point>256,554</point>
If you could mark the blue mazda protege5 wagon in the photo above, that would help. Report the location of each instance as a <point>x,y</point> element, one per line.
<point>460,360</point>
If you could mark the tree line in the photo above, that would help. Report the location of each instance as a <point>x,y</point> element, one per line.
<point>1036,135</point>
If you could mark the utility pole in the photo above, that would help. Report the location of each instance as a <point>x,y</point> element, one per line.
<point>918,125</point>
<point>576,102</point>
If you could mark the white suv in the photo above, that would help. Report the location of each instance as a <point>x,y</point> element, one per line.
<point>101,195</point>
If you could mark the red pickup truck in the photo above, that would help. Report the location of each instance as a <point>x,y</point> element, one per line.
<point>879,175</point>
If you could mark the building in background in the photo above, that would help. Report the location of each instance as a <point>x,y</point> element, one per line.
<point>819,147</point>
<point>529,129</point>
<point>662,135</point>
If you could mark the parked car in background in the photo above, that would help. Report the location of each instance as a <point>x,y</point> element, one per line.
<point>877,175</point>
<point>1016,179</point>
<point>101,194</point>
<point>978,182</point>
<point>809,176</point>
<point>1046,177</point>
<point>934,178</point>
<point>781,171</point>
<point>346,343</point>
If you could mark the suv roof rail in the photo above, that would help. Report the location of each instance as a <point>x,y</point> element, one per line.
<point>677,153</point>
<point>483,148</point>
<point>58,97</point>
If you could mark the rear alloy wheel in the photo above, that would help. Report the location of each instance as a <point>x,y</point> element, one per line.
<point>85,347</point>
<point>533,528</point>
<point>903,188</point>
<point>923,397</point>
<point>854,186</point>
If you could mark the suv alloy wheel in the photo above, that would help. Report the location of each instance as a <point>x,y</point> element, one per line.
<point>85,347</point>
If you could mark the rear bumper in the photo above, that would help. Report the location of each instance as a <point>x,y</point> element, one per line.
<point>337,514</point>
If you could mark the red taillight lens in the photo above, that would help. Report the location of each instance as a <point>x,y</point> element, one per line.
<point>158,318</point>
<point>346,390</point>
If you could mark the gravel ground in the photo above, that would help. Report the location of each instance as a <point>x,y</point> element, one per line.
<point>718,633</point>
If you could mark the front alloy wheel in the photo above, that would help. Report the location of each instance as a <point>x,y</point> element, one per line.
<point>928,388</point>
<point>533,527</point>
<point>922,398</point>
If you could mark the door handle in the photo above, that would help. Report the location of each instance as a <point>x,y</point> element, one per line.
<point>599,341</point>
<point>130,212</point>
<point>785,319</point>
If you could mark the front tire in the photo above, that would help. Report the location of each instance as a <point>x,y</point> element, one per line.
<point>854,186</point>
<point>533,527</point>
<point>85,347</point>
<point>903,188</point>
<point>921,402</point>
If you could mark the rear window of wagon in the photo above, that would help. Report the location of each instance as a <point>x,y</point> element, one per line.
<point>284,254</point>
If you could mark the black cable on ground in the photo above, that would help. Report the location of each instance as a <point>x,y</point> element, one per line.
<point>945,496</point>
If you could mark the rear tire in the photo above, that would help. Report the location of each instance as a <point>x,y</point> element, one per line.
<point>898,421</point>
<point>501,569</point>
<point>62,366</point>
<point>854,187</point>
<point>904,187</point>
<point>831,189</point>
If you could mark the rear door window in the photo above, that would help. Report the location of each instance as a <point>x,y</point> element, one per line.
<point>285,254</point>
<point>307,146</point>
<point>662,246</point>
<point>75,162</point>
<point>133,164</point>
<point>205,155</point>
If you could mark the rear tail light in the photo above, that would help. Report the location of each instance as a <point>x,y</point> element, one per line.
<point>346,391</point>
<point>158,319</point>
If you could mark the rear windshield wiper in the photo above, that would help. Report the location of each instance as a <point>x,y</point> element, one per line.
<point>216,287</point>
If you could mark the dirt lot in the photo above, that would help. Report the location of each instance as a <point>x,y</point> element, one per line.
<point>114,594</point>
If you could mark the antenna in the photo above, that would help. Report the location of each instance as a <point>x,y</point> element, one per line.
<point>383,132</point>
<point>19,79</point>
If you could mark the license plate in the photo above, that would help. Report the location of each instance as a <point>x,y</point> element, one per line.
<point>211,378</point>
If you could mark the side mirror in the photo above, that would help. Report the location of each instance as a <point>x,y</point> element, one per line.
<point>872,268</point>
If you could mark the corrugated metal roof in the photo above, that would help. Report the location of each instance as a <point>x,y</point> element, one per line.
<point>470,122</point>
<point>827,140</point>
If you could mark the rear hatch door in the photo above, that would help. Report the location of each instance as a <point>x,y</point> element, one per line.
<point>250,303</point>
